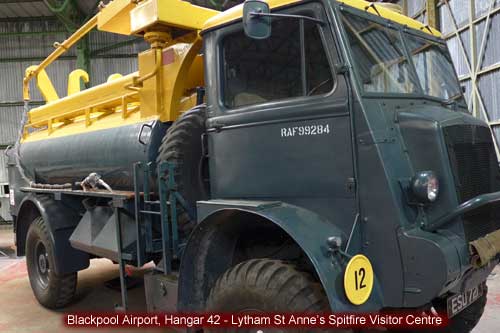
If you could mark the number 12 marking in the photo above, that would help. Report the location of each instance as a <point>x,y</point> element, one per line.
<point>359,276</point>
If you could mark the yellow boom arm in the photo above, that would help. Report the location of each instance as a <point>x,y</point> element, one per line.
<point>162,88</point>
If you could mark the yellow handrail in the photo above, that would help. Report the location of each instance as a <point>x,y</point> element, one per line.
<point>61,49</point>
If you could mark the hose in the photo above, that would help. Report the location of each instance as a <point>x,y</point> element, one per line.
<point>17,156</point>
<point>17,145</point>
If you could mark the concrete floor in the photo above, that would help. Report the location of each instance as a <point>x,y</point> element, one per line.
<point>21,313</point>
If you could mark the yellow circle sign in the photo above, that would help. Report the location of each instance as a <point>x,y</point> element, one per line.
<point>358,279</point>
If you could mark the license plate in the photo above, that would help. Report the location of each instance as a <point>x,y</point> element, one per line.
<point>459,302</point>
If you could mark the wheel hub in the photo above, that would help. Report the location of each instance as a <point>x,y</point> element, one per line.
<point>41,262</point>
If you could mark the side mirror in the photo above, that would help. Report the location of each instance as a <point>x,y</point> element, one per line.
<point>255,22</point>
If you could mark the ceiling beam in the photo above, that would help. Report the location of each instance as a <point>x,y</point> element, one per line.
<point>28,19</point>
<point>17,1</point>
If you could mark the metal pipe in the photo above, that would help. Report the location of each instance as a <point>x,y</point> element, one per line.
<point>61,49</point>
<point>136,85</point>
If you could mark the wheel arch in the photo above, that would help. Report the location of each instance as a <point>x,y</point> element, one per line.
<point>61,221</point>
<point>210,251</point>
<point>28,211</point>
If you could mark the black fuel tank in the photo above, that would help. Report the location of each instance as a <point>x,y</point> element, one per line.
<point>109,152</point>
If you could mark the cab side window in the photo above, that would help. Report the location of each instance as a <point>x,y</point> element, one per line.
<point>290,63</point>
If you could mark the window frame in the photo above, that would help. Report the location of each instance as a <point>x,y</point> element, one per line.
<point>327,39</point>
<point>401,29</point>
<point>405,54</point>
<point>448,55</point>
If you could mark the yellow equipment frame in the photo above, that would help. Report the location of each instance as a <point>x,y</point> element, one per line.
<point>163,87</point>
<point>168,73</point>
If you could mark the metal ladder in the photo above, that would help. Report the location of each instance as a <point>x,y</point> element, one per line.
<point>166,207</point>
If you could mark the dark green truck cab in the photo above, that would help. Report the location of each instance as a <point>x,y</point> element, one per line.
<point>361,120</point>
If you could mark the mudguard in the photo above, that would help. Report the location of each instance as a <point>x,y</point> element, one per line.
<point>61,221</point>
<point>205,256</point>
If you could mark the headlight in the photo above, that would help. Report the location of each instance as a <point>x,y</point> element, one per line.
<point>425,186</point>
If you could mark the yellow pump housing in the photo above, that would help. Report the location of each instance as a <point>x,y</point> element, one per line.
<point>169,72</point>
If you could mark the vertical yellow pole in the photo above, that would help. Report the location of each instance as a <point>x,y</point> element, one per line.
<point>432,13</point>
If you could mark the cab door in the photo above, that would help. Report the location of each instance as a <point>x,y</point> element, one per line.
<point>279,123</point>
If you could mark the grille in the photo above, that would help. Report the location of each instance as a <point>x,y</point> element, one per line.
<point>476,171</point>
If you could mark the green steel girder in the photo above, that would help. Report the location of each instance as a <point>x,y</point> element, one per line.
<point>83,57</point>
<point>38,59</point>
<point>114,46</point>
<point>67,12</point>
<point>20,103</point>
<point>70,15</point>
<point>14,1</point>
<point>31,33</point>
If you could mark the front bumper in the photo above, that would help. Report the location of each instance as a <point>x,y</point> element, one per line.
<point>484,249</point>
<point>472,204</point>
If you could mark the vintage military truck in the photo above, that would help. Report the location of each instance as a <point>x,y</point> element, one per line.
<point>281,155</point>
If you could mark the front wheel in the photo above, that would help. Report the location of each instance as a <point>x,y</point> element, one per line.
<point>51,290</point>
<point>463,322</point>
<point>466,320</point>
<point>265,285</point>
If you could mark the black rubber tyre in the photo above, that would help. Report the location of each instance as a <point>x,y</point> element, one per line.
<point>51,290</point>
<point>466,320</point>
<point>182,145</point>
<point>266,285</point>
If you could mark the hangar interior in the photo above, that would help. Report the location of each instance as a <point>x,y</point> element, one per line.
<point>29,29</point>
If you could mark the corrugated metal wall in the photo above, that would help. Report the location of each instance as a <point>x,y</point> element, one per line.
<point>3,171</point>
<point>477,63</point>
<point>4,199</point>
<point>26,42</point>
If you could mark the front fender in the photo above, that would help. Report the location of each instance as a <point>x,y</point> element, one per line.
<point>61,221</point>
<point>203,261</point>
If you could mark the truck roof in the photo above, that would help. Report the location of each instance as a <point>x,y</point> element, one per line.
<point>236,13</point>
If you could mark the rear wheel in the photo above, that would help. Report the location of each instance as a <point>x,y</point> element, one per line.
<point>265,285</point>
<point>51,290</point>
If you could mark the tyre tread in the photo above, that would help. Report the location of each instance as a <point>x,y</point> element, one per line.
<point>282,279</point>
<point>62,288</point>
<point>173,148</point>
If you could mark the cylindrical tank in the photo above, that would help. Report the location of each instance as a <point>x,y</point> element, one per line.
<point>109,152</point>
